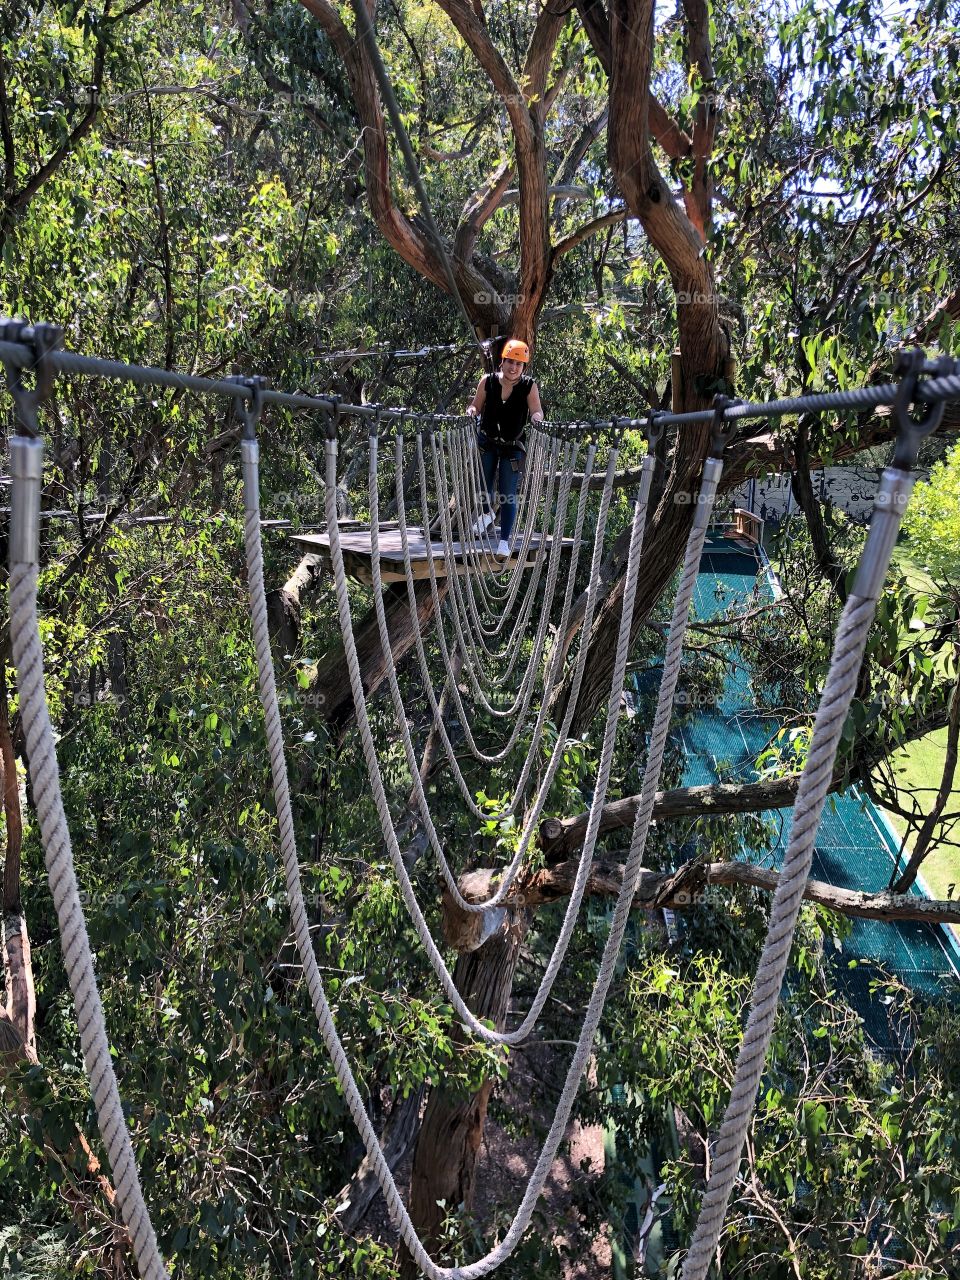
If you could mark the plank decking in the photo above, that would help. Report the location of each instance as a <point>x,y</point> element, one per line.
<point>357,554</point>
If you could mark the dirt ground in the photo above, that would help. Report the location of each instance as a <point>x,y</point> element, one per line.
<point>506,1162</point>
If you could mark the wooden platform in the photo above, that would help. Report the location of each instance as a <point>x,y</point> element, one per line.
<point>357,554</point>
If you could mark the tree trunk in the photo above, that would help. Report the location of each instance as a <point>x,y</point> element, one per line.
<point>17,964</point>
<point>285,604</point>
<point>330,689</point>
<point>445,1161</point>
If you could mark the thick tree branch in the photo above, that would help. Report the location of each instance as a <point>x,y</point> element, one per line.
<point>684,888</point>
<point>400,232</point>
<point>699,204</point>
<point>558,837</point>
<point>481,206</point>
<point>526,121</point>
<point>6,135</point>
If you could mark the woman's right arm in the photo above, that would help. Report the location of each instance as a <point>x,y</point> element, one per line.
<point>479,400</point>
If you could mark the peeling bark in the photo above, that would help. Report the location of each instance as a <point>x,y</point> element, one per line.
<point>18,969</point>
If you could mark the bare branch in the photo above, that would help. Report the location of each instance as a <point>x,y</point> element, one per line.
<point>590,229</point>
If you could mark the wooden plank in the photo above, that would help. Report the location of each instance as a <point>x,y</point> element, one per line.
<point>357,554</point>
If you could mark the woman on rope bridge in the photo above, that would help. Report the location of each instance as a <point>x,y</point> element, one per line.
<point>503,402</point>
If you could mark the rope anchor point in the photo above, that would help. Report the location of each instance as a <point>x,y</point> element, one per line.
<point>909,366</point>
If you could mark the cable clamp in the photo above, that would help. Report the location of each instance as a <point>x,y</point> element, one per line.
<point>654,428</point>
<point>722,430</point>
<point>374,421</point>
<point>909,366</point>
<point>333,413</point>
<point>247,409</point>
<point>42,340</point>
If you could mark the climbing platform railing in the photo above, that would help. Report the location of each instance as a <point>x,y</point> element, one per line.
<point>501,627</point>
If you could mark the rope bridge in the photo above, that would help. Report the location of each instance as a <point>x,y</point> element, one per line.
<point>499,617</point>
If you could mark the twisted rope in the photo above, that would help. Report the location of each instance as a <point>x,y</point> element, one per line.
<point>533,817</point>
<point>464,602</point>
<point>55,836</point>
<point>483,757</point>
<point>592,588</point>
<point>398,1212</point>
<point>553,671</point>
<point>849,645</point>
<point>472,660</point>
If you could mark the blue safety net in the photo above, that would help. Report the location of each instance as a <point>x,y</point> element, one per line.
<point>854,849</point>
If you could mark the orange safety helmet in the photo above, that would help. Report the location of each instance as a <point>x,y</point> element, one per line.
<point>516,350</point>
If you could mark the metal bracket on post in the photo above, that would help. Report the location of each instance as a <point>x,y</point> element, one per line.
<point>332,429</point>
<point>897,480</point>
<point>909,366</point>
<point>376,418</point>
<point>654,428</point>
<point>26,447</point>
<point>43,340</point>
<point>247,412</point>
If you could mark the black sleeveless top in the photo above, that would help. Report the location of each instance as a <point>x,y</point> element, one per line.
<point>502,421</point>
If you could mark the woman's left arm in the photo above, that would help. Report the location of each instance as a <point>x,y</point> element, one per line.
<point>533,400</point>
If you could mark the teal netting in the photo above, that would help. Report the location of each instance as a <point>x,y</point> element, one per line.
<point>853,848</point>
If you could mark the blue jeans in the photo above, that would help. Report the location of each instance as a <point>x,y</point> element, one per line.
<point>502,468</point>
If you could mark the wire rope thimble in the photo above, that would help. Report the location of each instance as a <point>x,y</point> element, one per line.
<point>909,366</point>
<point>26,447</point>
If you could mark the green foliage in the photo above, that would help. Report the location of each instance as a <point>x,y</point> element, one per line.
<point>932,520</point>
<point>212,216</point>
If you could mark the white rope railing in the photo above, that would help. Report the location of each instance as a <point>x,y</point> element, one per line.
<point>845,663</point>
<point>26,459</point>
<point>398,1212</point>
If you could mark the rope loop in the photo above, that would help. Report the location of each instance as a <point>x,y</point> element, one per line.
<point>43,340</point>
<point>909,365</point>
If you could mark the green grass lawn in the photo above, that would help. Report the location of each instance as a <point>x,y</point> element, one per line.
<point>921,765</point>
<point>914,572</point>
